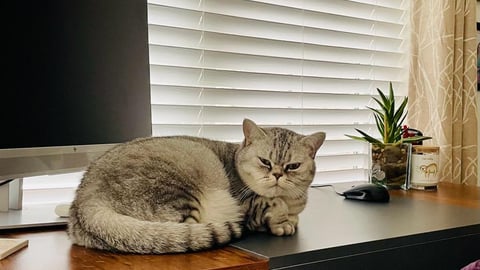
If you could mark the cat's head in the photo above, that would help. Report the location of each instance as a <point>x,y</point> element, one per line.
<point>277,162</point>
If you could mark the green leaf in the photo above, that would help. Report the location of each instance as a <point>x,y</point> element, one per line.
<point>356,137</point>
<point>376,111</point>
<point>382,95</point>
<point>388,119</point>
<point>416,139</point>
<point>399,123</point>
<point>380,103</point>
<point>392,100</point>
<point>367,137</point>
<point>379,122</point>
<point>400,111</point>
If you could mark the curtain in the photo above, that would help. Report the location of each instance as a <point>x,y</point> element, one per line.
<point>442,84</point>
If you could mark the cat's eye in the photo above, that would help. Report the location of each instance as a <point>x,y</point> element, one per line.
<point>292,166</point>
<point>265,162</point>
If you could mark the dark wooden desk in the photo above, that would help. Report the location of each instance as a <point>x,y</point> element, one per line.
<point>447,193</point>
<point>415,230</point>
<point>50,249</point>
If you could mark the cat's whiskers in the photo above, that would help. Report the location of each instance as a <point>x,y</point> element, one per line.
<point>244,193</point>
<point>293,190</point>
<point>263,178</point>
<point>297,193</point>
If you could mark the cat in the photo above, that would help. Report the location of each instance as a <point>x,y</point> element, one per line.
<point>179,194</point>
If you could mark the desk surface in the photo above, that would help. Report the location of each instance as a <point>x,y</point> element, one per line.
<point>50,249</point>
<point>330,228</point>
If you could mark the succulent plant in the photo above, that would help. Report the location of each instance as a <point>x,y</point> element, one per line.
<point>389,121</point>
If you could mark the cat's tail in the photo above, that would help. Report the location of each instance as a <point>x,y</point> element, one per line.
<point>96,225</point>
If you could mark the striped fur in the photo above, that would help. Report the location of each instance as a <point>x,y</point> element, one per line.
<point>179,194</point>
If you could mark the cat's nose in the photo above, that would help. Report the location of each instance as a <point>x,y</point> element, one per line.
<point>277,175</point>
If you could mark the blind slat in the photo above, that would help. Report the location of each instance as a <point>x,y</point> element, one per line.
<point>278,27</point>
<point>186,76</point>
<point>198,39</point>
<point>270,116</point>
<point>267,10</point>
<point>175,56</point>
<point>166,95</point>
<point>336,144</point>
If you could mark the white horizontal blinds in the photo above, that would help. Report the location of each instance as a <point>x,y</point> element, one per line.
<point>50,189</point>
<point>304,65</point>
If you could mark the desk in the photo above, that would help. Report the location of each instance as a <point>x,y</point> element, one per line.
<point>50,249</point>
<point>416,230</point>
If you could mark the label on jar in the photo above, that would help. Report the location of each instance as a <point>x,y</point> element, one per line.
<point>424,169</point>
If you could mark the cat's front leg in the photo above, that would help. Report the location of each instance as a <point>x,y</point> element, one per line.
<point>278,219</point>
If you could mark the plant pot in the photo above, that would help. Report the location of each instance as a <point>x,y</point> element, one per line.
<point>390,165</point>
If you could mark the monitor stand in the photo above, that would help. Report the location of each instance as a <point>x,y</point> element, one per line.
<point>14,215</point>
<point>11,194</point>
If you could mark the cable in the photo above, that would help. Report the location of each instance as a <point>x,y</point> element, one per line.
<point>327,185</point>
<point>4,182</point>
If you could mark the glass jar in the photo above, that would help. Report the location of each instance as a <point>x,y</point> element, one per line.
<point>424,170</point>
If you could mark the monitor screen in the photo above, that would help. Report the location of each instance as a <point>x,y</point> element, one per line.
<point>80,84</point>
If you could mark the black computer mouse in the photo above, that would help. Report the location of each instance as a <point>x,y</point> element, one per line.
<point>367,192</point>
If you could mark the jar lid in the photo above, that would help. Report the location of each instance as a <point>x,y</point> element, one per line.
<point>422,148</point>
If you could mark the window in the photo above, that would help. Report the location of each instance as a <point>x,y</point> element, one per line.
<point>304,65</point>
<point>307,65</point>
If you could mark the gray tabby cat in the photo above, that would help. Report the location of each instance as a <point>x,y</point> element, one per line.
<point>178,194</point>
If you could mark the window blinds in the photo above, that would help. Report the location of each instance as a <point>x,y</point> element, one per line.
<point>308,65</point>
<point>305,65</point>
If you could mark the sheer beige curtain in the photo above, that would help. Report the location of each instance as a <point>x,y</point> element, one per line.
<point>442,85</point>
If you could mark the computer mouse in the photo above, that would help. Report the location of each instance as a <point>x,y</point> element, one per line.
<point>367,192</point>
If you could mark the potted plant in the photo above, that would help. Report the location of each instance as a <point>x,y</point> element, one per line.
<point>391,153</point>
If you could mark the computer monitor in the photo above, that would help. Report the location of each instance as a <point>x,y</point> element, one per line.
<point>78,83</point>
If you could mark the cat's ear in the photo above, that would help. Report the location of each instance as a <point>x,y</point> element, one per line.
<point>251,131</point>
<point>313,142</point>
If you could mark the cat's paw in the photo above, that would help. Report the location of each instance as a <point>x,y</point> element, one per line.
<point>285,228</point>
